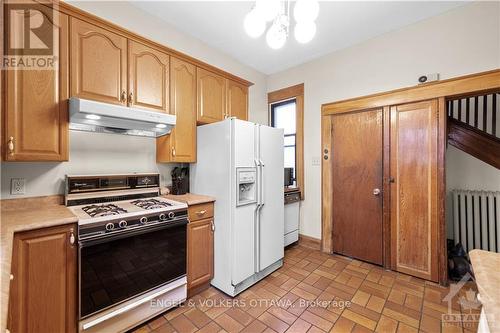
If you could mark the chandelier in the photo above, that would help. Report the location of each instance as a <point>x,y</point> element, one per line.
<point>305,13</point>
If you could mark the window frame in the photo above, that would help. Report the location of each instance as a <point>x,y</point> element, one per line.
<point>284,95</point>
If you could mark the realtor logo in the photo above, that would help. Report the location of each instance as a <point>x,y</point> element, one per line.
<point>30,31</point>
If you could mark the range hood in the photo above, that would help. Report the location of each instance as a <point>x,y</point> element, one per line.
<point>91,116</point>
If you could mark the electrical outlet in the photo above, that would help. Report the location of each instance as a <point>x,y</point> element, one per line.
<point>316,161</point>
<point>17,186</point>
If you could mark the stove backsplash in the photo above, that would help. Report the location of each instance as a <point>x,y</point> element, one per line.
<point>90,153</point>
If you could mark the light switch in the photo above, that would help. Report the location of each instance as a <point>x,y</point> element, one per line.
<point>316,161</point>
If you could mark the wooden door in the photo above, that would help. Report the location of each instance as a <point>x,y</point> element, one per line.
<point>211,96</point>
<point>180,145</point>
<point>148,77</point>
<point>36,117</point>
<point>237,100</point>
<point>357,185</point>
<point>43,293</point>
<point>200,265</point>
<point>98,63</point>
<point>414,196</point>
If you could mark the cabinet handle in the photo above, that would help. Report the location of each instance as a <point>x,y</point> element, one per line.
<point>72,238</point>
<point>123,97</point>
<point>10,145</point>
<point>11,277</point>
<point>201,212</point>
<point>173,151</point>
<point>212,225</point>
<point>130,98</point>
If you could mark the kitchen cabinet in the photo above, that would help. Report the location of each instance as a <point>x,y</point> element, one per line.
<point>148,77</point>
<point>414,191</point>
<point>211,96</point>
<point>180,144</point>
<point>200,247</point>
<point>43,289</point>
<point>36,108</point>
<point>237,100</point>
<point>98,63</point>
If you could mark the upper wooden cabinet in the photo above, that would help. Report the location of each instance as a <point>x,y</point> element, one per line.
<point>36,108</point>
<point>43,290</point>
<point>98,63</point>
<point>414,192</point>
<point>180,144</point>
<point>211,96</point>
<point>237,100</point>
<point>148,77</point>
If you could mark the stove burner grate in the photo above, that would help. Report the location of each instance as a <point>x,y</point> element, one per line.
<point>150,204</point>
<point>103,210</point>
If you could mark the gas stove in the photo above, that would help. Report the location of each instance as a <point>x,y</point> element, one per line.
<point>108,204</point>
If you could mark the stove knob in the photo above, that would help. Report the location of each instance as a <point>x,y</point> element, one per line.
<point>163,216</point>
<point>143,219</point>
<point>122,224</point>
<point>171,215</point>
<point>110,226</point>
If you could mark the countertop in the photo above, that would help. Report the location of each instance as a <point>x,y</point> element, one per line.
<point>190,198</point>
<point>485,265</point>
<point>21,215</point>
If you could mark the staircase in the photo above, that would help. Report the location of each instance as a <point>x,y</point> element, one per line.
<point>474,124</point>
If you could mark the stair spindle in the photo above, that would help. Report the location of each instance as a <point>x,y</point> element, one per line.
<point>485,112</point>
<point>476,111</point>
<point>494,115</point>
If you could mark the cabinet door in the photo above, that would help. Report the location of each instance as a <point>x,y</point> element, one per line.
<point>43,294</point>
<point>36,117</point>
<point>200,265</point>
<point>180,144</point>
<point>414,192</point>
<point>211,96</point>
<point>237,100</point>
<point>148,77</point>
<point>98,63</point>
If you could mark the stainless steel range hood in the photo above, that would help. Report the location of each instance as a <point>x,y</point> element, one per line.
<point>91,116</point>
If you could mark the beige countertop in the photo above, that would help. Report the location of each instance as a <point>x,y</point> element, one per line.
<point>21,215</point>
<point>486,265</point>
<point>190,198</point>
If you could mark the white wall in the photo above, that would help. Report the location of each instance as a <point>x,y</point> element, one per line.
<point>106,153</point>
<point>462,41</point>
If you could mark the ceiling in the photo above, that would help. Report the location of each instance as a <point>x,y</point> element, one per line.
<point>340,24</point>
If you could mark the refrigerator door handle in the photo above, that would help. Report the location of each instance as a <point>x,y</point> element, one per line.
<point>258,183</point>
<point>262,201</point>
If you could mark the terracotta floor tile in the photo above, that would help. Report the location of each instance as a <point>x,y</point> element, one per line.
<point>298,307</point>
<point>141,329</point>
<point>397,297</point>
<point>413,302</point>
<point>317,321</point>
<point>165,328</point>
<point>314,329</point>
<point>274,323</point>
<point>403,328</point>
<point>429,324</point>
<point>303,294</point>
<point>324,313</point>
<point>228,323</point>
<point>359,319</point>
<point>183,325</point>
<point>401,317</point>
<point>386,281</point>
<point>299,326</point>
<point>343,325</point>
<point>212,327</point>
<point>240,316</point>
<point>197,317</point>
<point>361,329</point>
<point>282,314</point>
<point>255,326</point>
<point>170,314</point>
<point>375,303</point>
<point>361,298</point>
<point>386,325</point>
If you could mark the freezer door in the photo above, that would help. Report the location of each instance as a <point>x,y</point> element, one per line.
<point>244,217</point>
<point>271,221</point>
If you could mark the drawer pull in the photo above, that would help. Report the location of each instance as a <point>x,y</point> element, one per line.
<point>10,145</point>
<point>212,225</point>
<point>201,212</point>
<point>72,238</point>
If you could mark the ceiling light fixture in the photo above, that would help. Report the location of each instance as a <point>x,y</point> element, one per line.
<point>305,13</point>
<point>93,117</point>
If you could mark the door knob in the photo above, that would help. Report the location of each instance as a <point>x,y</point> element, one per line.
<point>376,191</point>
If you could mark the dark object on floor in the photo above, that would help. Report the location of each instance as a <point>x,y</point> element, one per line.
<point>458,262</point>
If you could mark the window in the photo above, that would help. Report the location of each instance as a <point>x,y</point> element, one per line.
<point>286,110</point>
<point>283,115</point>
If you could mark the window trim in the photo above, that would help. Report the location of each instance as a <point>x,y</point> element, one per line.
<point>294,92</point>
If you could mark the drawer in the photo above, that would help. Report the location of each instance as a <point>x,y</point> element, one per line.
<point>201,211</point>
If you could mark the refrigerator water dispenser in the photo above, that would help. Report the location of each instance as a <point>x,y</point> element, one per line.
<point>246,179</point>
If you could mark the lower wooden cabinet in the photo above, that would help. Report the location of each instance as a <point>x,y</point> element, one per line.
<point>43,291</point>
<point>200,250</point>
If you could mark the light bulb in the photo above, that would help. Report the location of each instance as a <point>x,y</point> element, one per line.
<point>93,117</point>
<point>267,10</point>
<point>306,10</point>
<point>304,31</point>
<point>161,126</point>
<point>253,24</point>
<point>276,36</point>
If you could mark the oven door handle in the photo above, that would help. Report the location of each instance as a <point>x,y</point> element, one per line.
<point>131,232</point>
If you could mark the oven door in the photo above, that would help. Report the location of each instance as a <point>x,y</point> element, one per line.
<point>116,268</point>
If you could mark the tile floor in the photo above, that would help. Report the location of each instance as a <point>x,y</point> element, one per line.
<point>315,292</point>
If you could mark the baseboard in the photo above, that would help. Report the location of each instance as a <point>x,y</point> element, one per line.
<point>310,242</point>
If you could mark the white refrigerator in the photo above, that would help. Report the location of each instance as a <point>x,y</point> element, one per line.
<point>241,164</point>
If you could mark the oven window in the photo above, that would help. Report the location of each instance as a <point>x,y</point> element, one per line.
<point>116,270</point>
